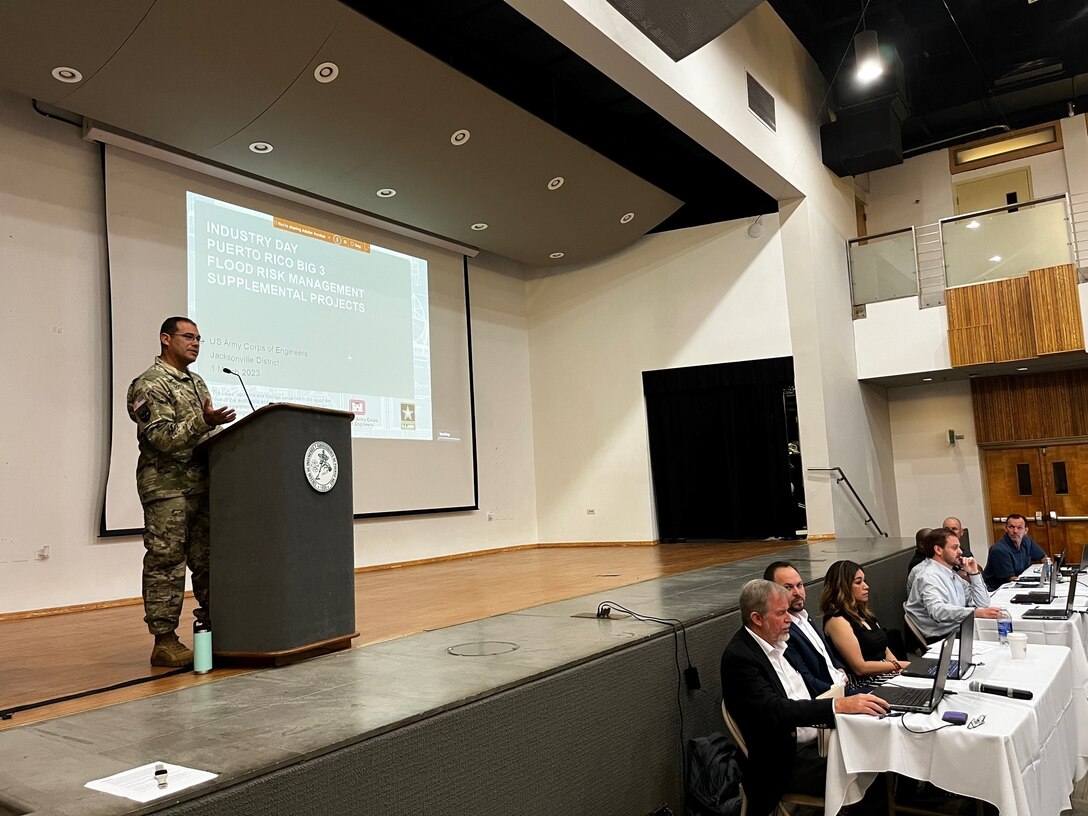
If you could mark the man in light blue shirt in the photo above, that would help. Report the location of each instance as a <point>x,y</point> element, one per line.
<point>940,600</point>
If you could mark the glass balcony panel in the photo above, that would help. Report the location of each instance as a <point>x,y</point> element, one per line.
<point>1006,244</point>
<point>883,268</point>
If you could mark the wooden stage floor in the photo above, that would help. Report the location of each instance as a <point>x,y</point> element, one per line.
<point>54,656</point>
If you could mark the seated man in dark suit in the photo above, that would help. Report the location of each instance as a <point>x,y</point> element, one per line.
<point>807,649</point>
<point>769,702</point>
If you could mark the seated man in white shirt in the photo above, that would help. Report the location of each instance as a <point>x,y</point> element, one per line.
<point>807,648</point>
<point>939,599</point>
<point>771,706</point>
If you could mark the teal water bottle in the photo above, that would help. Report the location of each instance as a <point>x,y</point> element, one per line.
<point>202,648</point>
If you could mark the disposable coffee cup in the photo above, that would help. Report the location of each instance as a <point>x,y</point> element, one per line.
<point>1018,645</point>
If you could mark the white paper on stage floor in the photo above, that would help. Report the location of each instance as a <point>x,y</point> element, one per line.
<point>140,783</point>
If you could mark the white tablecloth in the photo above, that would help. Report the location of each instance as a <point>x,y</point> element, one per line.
<point>1023,759</point>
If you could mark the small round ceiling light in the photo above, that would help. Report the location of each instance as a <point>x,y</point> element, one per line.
<point>479,227</point>
<point>261,147</point>
<point>386,192</point>
<point>555,256</point>
<point>556,183</point>
<point>460,137</point>
<point>1024,368</point>
<point>995,259</point>
<point>927,379</point>
<point>62,73</point>
<point>627,218</point>
<point>326,72</point>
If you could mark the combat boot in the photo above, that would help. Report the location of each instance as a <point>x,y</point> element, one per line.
<point>169,652</point>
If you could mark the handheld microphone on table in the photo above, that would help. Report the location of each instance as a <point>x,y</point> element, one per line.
<point>1000,691</point>
<point>244,391</point>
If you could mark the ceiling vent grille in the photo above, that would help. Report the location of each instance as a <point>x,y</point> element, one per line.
<point>761,103</point>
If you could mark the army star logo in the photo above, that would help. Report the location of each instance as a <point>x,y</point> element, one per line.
<point>321,467</point>
<point>407,416</point>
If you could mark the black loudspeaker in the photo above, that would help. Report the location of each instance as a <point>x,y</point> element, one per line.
<point>862,141</point>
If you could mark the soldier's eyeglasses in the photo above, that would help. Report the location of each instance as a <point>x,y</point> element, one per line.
<point>189,336</point>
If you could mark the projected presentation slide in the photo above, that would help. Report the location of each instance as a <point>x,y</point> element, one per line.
<point>308,316</point>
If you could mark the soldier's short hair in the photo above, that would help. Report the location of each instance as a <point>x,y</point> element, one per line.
<point>170,325</point>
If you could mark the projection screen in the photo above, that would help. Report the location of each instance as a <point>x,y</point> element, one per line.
<point>307,307</point>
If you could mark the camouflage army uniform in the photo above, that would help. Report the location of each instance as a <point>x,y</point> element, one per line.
<point>167,406</point>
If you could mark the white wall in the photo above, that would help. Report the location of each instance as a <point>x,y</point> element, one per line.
<point>936,480</point>
<point>919,191</point>
<point>689,297</point>
<point>705,96</point>
<point>53,287</point>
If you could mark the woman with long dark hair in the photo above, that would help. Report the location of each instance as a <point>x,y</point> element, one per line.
<point>850,625</point>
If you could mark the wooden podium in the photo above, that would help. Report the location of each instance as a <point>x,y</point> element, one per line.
<point>282,577</point>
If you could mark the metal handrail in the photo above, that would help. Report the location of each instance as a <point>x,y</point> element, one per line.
<point>842,478</point>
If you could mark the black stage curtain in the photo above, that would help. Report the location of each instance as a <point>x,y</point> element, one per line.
<point>720,438</point>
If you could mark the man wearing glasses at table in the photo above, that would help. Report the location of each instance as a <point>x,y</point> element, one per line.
<point>173,411</point>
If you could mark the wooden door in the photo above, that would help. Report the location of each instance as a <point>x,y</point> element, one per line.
<point>1067,502</point>
<point>1015,482</point>
<point>992,191</point>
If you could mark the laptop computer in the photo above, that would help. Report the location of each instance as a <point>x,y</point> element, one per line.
<point>1055,612</point>
<point>1042,596</point>
<point>921,700</point>
<point>927,666</point>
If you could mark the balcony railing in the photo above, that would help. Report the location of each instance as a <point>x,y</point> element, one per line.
<point>1004,242</point>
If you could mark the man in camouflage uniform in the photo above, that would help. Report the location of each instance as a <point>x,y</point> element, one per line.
<point>172,409</point>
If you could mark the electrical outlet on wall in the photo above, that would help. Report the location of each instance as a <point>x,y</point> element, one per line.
<point>591,511</point>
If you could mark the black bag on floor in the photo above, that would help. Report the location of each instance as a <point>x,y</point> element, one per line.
<point>713,777</point>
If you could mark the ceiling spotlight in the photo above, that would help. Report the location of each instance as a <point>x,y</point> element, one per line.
<point>556,183</point>
<point>386,192</point>
<point>755,229</point>
<point>63,73</point>
<point>326,72</point>
<point>480,226</point>
<point>555,256</point>
<point>627,218</point>
<point>995,259</point>
<point>972,225</point>
<point>261,147</point>
<point>1024,368</point>
<point>870,65</point>
<point>927,379</point>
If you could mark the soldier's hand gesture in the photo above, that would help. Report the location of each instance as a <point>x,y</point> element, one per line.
<point>217,416</point>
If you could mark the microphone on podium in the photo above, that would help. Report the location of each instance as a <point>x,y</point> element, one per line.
<point>1000,691</point>
<point>244,391</point>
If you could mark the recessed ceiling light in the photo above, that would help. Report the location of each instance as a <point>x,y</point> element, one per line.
<point>326,72</point>
<point>972,225</point>
<point>555,256</point>
<point>995,259</point>
<point>927,379</point>
<point>627,218</point>
<point>480,226</point>
<point>1025,368</point>
<point>65,74</point>
<point>460,137</point>
<point>556,183</point>
<point>261,147</point>
<point>386,192</point>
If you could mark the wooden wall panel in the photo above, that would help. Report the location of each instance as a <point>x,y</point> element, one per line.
<point>970,345</point>
<point>1031,407</point>
<point>1056,309</point>
<point>1026,317</point>
<point>1011,319</point>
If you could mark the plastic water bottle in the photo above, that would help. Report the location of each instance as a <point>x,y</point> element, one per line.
<point>1004,626</point>
<point>202,648</point>
<point>1045,571</point>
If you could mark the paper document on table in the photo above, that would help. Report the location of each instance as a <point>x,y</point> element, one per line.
<point>142,785</point>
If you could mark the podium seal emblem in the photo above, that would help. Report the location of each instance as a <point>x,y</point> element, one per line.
<point>321,467</point>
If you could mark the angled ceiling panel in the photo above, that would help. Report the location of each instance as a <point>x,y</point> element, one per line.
<point>195,72</point>
<point>37,36</point>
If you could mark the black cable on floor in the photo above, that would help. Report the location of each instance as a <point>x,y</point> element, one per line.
<point>8,713</point>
